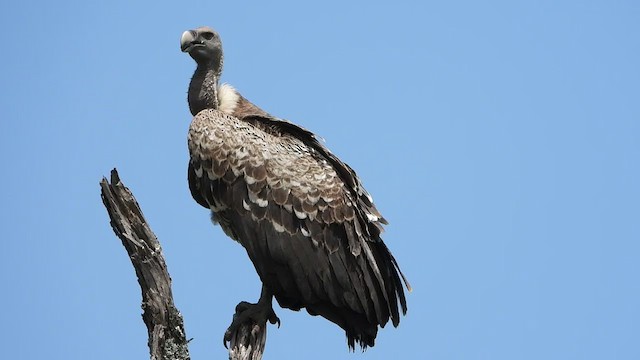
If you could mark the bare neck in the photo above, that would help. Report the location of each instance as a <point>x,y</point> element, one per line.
<point>203,89</point>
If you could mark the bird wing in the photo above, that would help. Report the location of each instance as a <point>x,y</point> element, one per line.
<point>307,223</point>
<point>344,171</point>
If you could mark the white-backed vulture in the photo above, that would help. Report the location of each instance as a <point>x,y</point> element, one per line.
<point>307,224</point>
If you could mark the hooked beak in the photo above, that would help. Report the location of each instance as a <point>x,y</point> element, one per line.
<point>188,41</point>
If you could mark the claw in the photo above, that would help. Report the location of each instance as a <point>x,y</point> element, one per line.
<point>274,319</point>
<point>226,338</point>
<point>255,315</point>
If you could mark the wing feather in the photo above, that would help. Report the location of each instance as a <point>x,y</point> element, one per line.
<point>307,223</point>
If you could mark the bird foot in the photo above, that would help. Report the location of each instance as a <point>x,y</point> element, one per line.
<point>251,314</point>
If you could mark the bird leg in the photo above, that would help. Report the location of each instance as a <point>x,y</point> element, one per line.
<point>248,314</point>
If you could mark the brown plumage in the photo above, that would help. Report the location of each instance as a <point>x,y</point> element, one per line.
<point>307,224</point>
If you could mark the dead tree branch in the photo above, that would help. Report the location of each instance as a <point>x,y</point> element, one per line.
<point>248,342</point>
<point>167,338</point>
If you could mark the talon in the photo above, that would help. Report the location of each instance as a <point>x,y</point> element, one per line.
<point>226,338</point>
<point>274,319</point>
<point>253,315</point>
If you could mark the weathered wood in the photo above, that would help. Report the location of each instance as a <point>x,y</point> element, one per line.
<point>167,337</point>
<point>248,342</point>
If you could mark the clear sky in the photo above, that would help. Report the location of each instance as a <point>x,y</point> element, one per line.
<point>500,138</point>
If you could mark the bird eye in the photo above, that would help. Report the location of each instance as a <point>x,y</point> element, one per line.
<point>207,36</point>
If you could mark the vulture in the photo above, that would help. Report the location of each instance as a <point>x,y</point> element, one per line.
<point>308,225</point>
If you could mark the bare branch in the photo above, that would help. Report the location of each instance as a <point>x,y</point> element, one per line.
<point>167,339</point>
<point>248,342</point>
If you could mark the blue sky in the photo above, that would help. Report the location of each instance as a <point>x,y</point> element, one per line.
<point>500,138</point>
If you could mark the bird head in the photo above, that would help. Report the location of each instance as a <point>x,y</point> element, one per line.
<point>203,45</point>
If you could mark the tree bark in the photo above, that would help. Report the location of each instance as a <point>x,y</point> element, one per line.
<point>167,337</point>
